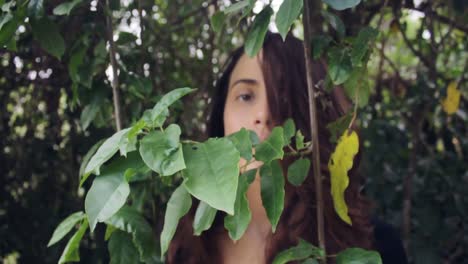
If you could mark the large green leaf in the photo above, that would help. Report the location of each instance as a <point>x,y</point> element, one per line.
<point>288,12</point>
<point>65,8</point>
<point>298,171</point>
<point>204,217</point>
<point>121,249</point>
<point>237,224</point>
<point>179,204</point>
<point>362,44</point>
<point>162,151</point>
<point>129,220</point>
<point>71,251</point>
<point>358,255</point>
<point>36,8</point>
<point>342,4</point>
<point>65,226</point>
<point>272,147</point>
<point>272,191</point>
<point>167,100</point>
<point>105,152</point>
<point>212,172</point>
<point>48,35</point>
<point>340,67</point>
<point>254,41</point>
<point>109,192</point>
<point>241,140</point>
<point>302,251</point>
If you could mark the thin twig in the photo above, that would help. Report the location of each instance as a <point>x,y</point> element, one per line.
<point>115,79</point>
<point>314,127</point>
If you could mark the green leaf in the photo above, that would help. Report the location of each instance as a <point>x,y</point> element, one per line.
<point>338,127</point>
<point>289,129</point>
<point>5,19</point>
<point>47,34</point>
<point>167,100</point>
<point>310,261</point>
<point>237,224</point>
<point>358,255</point>
<point>254,40</point>
<point>288,12</point>
<point>204,217</point>
<point>319,44</point>
<point>272,191</point>
<point>65,8</point>
<point>129,220</point>
<point>362,45</point>
<point>87,157</point>
<point>162,152</point>
<point>109,192</point>
<point>36,8</point>
<point>357,83</point>
<point>254,138</point>
<point>105,152</point>
<point>302,251</point>
<point>339,63</point>
<point>8,30</point>
<point>90,111</point>
<point>299,140</point>
<point>212,172</point>
<point>342,4</point>
<point>236,7</point>
<point>71,251</point>
<point>121,249</point>
<point>217,21</point>
<point>272,147</point>
<point>65,226</point>
<point>298,171</point>
<point>335,22</point>
<point>179,204</point>
<point>241,139</point>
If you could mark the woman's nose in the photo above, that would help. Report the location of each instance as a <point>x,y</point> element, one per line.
<point>262,124</point>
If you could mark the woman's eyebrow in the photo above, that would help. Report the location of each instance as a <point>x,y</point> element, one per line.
<point>247,81</point>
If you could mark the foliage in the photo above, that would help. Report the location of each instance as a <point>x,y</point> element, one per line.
<point>57,101</point>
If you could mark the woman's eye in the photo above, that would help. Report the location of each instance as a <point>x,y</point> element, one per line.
<point>245,97</point>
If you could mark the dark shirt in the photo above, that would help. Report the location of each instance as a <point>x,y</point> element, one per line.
<point>388,243</point>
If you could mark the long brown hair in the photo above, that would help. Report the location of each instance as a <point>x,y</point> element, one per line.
<point>285,80</point>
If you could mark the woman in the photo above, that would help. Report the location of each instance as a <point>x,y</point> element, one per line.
<point>259,93</point>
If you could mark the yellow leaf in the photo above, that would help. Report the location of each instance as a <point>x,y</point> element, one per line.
<point>341,161</point>
<point>452,101</point>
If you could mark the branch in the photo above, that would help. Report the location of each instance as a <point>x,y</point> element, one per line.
<point>313,121</point>
<point>443,19</point>
<point>115,79</point>
<point>416,52</point>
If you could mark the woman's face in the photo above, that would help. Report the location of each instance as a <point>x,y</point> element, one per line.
<point>246,103</point>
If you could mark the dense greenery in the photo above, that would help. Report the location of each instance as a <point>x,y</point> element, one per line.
<point>56,90</point>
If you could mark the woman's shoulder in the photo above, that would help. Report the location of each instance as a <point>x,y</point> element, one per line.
<point>388,243</point>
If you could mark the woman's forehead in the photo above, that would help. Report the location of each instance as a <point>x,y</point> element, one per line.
<point>247,68</point>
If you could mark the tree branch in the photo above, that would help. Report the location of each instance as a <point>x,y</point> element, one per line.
<point>115,79</point>
<point>313,120</point>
